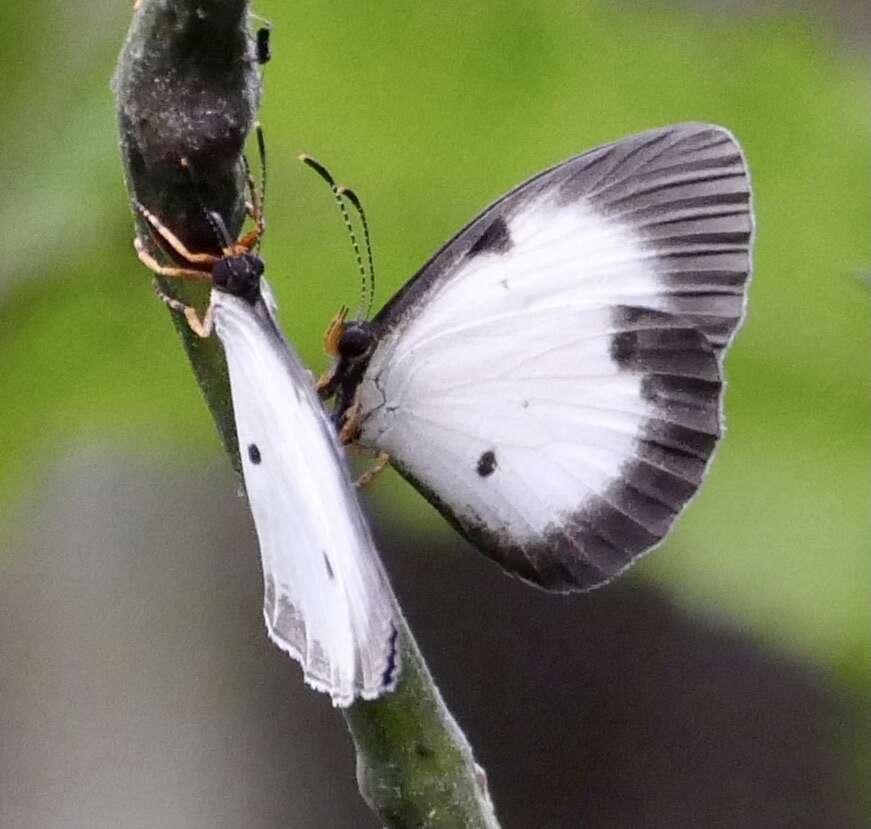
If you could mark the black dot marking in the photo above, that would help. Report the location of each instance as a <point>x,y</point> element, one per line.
<point>487,463</point>
<point>525,404</point>
<point>495,239</point>
<point>253,453</point>
<point>330,572</point>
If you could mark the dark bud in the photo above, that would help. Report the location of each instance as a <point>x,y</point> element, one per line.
<point>239,275</point>
<point>264,52</point>
<point>356,340</point>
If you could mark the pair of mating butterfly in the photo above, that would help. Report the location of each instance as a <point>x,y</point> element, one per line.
<point>552,380</point>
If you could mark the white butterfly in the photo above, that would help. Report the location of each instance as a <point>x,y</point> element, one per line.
<point>552,378</point>
<point>327,599</point>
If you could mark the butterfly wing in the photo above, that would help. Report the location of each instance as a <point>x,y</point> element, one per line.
<point>551,379</point>
<point>327,600</point>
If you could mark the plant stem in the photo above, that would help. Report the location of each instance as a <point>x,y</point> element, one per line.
<point>188,86</point>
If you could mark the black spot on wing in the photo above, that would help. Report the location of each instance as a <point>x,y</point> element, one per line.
<point>254,453</point>
<point>329,566</point>
<point>680,383</point>
<point>495,239</point>
<point>487,463</point>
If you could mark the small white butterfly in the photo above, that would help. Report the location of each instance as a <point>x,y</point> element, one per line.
<point>552,379</point>
<point>327,599</point>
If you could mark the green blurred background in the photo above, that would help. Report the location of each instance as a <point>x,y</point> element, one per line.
<point>429,112</point>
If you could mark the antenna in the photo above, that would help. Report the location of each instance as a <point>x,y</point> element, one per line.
<point>352,197</point>
<point>339,193</point>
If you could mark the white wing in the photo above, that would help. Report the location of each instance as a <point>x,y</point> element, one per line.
<point>551,379</point>
<point>327,600</point>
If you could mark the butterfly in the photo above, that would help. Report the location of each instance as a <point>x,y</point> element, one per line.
<point>552,379</point>
<point>327,599</point>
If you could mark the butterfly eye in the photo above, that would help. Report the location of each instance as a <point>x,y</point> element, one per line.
<point>355,340</point>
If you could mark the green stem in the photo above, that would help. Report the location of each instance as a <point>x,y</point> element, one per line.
<point>188,86</point>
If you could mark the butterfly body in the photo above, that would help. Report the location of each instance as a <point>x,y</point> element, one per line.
<point>327,601</point>
<point>552,378</point>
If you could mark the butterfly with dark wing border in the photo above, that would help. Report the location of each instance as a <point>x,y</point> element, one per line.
<point>552,379</point>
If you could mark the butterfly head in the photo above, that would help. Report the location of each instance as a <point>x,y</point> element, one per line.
<point>349,342</point>
<point>239,275</point>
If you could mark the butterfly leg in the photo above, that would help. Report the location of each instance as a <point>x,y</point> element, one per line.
<point>168,270</point>
<point>350,424</point>
<point>173,241</point>
<point>326,383</point>
<point>254,208</point>
<point>381,460</point>
<point>258,196</point>
<point>200,327</point>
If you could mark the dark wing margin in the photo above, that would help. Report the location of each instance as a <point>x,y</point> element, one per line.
<point>611,529</point>
<point>683,190</point>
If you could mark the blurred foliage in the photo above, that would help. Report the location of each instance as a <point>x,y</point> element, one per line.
<point>431,111</point>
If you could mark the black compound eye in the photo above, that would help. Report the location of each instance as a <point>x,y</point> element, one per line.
<point>355,340</point>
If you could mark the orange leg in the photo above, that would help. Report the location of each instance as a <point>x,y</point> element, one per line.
<point>255,206</point>
<point>324,384</point>
<point>202,328</point>
<point>174,242</point>
<point>350,424</point>
<point>381,460</point>
<point>168,270</point>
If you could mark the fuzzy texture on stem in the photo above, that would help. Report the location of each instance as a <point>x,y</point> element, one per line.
<point>188,86</point>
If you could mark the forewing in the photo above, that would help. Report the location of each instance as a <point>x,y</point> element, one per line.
<point>552,378</point>
<point>327,601</point>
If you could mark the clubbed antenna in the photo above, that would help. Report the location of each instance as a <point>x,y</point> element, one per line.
<point>339,192</point>
<point>352,197</point>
